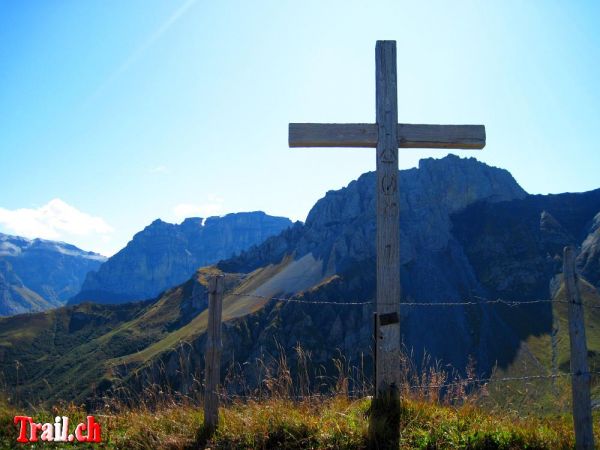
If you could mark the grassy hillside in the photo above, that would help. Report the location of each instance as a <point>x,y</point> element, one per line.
<point>76,352</point>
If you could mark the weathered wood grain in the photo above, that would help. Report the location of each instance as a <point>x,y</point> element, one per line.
<point>332,135</point>
<point>468,137</point>
<point>388,220</point>
<point>212,357</point>
<point>580,378</point>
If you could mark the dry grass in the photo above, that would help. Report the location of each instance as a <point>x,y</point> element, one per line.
<point>313,423</point>
<point>288,410</point>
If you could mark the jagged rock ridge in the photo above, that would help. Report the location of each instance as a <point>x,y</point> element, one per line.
<point>451,210</point>
<point>164,254</point>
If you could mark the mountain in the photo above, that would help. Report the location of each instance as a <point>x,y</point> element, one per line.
<point>164,255</point>
<point>39,274</point>
<point>468,232</point>
<point>336,247</point>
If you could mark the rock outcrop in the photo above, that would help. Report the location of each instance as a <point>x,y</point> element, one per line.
<point>468,231</point>
<point>340,232</point>
<point>340,228</point>
<point>164,255</point>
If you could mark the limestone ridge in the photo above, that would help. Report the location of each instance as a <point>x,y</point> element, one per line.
<point>467,231</point>
<point>340,228</point>
<point>36,274</point>
<point>164,255</point>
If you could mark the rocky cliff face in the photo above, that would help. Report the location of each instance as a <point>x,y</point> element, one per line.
<point>340,232</point>
<point>164,255</point>
<point>516,247</point>
<point>340,228</point>
<point>468,232</point>
<point>38,274</point>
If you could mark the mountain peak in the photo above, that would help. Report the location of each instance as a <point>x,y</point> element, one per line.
<point>163,254</point>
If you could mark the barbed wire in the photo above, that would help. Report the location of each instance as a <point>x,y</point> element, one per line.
<point>297,300</point>
<point>424,386</point>
<point>481,301</point>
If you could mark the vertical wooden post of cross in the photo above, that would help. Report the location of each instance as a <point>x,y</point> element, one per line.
<point>388,229</point>
<point>580,372</point>
<point>212,356</point>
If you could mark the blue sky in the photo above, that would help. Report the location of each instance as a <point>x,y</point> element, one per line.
<point>114,113</point>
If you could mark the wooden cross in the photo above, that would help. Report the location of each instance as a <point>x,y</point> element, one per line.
<point>387,135</point>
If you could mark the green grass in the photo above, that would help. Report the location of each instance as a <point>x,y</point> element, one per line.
<point>334,423</point>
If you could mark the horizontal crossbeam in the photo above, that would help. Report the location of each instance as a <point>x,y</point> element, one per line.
<point>365,135</point>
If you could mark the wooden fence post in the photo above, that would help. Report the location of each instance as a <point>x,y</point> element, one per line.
<point>580,373</point>
<point>212,356</point>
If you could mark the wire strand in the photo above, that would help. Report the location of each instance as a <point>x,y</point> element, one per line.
<point>482,301</point>
<point>482,381</point>
<point>295,300</point>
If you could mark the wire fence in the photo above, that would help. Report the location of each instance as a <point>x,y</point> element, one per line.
<point>481,301</point>
<point>472,302</point>
<point>579,373</point>
<point>415,387</point>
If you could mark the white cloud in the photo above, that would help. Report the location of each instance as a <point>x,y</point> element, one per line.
<point>213,206</point>
<point>55,220</point>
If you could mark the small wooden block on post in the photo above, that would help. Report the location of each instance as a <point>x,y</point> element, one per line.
<point>580,372</point>
<point>212,357</point>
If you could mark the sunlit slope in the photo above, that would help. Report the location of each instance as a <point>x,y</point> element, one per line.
<point>288,277</point>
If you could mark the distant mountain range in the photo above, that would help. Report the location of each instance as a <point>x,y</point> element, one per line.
<point>39,274</point>
<point>164,255</point>
<point>468,232</point>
